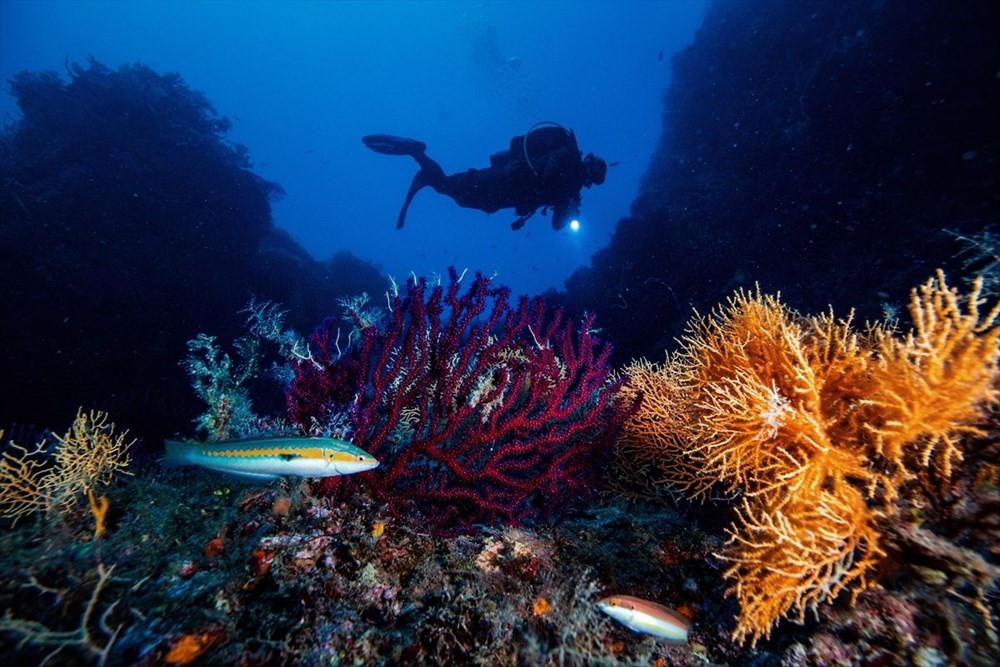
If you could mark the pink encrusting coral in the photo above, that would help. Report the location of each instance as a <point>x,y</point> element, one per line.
<point>478,412</point>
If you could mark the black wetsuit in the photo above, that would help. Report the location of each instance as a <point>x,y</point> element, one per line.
<point>547,171</point>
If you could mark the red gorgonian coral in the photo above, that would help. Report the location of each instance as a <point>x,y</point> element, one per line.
<point>478,412</point>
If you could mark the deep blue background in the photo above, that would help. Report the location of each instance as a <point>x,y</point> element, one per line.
<point>302,82</point>
<point>837,152</point>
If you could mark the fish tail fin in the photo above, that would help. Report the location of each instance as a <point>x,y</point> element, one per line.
<point>177,453</point>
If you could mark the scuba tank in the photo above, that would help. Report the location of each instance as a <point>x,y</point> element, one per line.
<point>537,143</point>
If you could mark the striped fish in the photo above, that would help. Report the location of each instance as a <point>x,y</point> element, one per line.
<point>270,458</point>
<point>646,617</point>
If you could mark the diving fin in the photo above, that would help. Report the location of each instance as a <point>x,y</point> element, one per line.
<point>390,145</point>
<point>517,224</point>
<point>419,181</point>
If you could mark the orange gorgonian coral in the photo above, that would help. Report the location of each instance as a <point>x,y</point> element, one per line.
<point>935,381</point>
<point>86,458</point>
<point>815,426</point>
<point>656,435</point>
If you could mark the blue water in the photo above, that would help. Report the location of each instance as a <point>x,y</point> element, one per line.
<point>837,153</point>
<point>303,81</point>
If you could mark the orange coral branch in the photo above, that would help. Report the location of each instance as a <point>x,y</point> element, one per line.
<point>789,560</point>
<point>933,384</point>
<point>816,427</point>
<point>86,457</point>
<point>653,445</point>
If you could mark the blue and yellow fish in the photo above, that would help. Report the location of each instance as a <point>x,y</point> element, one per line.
<point>270,458</point>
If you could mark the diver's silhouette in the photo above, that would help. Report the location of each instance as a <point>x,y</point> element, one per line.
<point>543,168</point>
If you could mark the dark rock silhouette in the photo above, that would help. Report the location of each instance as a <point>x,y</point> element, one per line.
<point>820,149</point>
<point>130,224</point>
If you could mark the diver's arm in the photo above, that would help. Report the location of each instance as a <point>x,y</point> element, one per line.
<point>565,211</point>
<point>523,218</point>
<point>560,216</point>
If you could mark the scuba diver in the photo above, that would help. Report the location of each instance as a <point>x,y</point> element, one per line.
<point>543,168</point>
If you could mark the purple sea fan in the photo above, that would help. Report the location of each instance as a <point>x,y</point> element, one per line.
<point>479,413</point>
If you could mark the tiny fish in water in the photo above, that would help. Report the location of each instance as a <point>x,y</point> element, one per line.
<point>270,458</point>
<point>646,617</point>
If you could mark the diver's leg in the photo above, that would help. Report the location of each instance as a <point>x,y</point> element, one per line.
<point>432,173</point>
<point>483,189</point>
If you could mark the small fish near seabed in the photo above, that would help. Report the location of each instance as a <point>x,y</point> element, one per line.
<point>646,617</point>
<point>270,458</point>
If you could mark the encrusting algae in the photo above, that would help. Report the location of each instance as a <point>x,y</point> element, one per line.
<point>817,429</point>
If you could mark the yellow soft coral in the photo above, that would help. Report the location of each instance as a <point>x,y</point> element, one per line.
<point>933,383</point>
<point>815,426</point>
<point>790,559</point>
<point>86,457</point>
<point>770,393</point>
<point>652,447</point>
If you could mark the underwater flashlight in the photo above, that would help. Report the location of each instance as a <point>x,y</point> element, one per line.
<point>574,225</point>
